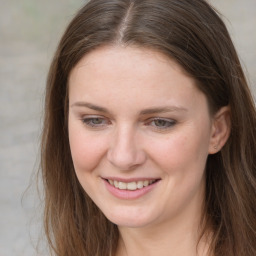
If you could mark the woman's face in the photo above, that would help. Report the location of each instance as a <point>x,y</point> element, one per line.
<point>140,133</point>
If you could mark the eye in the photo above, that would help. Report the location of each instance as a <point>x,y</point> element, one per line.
<point>161,123</point>
<point>95,122</point>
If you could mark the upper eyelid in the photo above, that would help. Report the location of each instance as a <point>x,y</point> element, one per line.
<point>161,118</point>
<point>94,117</point>
<point>88,117</point>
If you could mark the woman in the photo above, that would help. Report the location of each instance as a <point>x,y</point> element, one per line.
<point>149,134</point>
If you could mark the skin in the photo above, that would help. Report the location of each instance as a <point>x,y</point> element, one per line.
<point>113,134</point>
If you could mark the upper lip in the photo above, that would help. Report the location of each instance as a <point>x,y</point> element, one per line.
<point>127,180</point>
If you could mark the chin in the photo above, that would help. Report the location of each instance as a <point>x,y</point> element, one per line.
<point>127,219</point>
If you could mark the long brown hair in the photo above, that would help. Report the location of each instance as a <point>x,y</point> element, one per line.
<point>193,34</point>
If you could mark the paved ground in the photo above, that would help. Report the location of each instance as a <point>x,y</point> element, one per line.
<point>29,31</point>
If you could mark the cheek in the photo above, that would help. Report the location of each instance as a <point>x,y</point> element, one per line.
<point>86,150</point>
<point>180,152</point>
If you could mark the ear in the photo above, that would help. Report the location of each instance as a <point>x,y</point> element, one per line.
<point>221,126</point>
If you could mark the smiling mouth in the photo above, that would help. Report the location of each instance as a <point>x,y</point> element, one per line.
<point>135,185</point>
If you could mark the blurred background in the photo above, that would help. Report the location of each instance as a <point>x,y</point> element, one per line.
<point>29,33</point>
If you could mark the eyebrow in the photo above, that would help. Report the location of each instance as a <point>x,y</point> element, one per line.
<point>90,106</point>
<point>147,111</point>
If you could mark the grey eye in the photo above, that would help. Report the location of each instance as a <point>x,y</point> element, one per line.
<point>94,121</point>
<point>161,123</point>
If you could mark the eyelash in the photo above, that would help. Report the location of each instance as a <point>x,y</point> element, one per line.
<point>89,122</point>
<point>166,123</point>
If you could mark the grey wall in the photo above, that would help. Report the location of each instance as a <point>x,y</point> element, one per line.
<point>240,18</point>
<point>29,31</point>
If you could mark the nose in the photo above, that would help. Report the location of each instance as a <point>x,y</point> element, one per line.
<point>125,151</point>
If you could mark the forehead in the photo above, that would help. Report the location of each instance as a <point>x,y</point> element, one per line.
<point>136,60</point>
<point>132,75</point>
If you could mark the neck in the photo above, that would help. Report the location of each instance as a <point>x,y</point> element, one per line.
<point>154,243</point>
<point>180,237</point>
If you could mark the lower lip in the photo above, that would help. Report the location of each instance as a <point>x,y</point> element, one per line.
<point>129,194</point>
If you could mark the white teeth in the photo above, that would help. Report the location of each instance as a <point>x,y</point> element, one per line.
<point>131,185</point>
<point>145,183</point>
<point>116,183</point>
<point>122,185</point>
<point>140,184</point>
